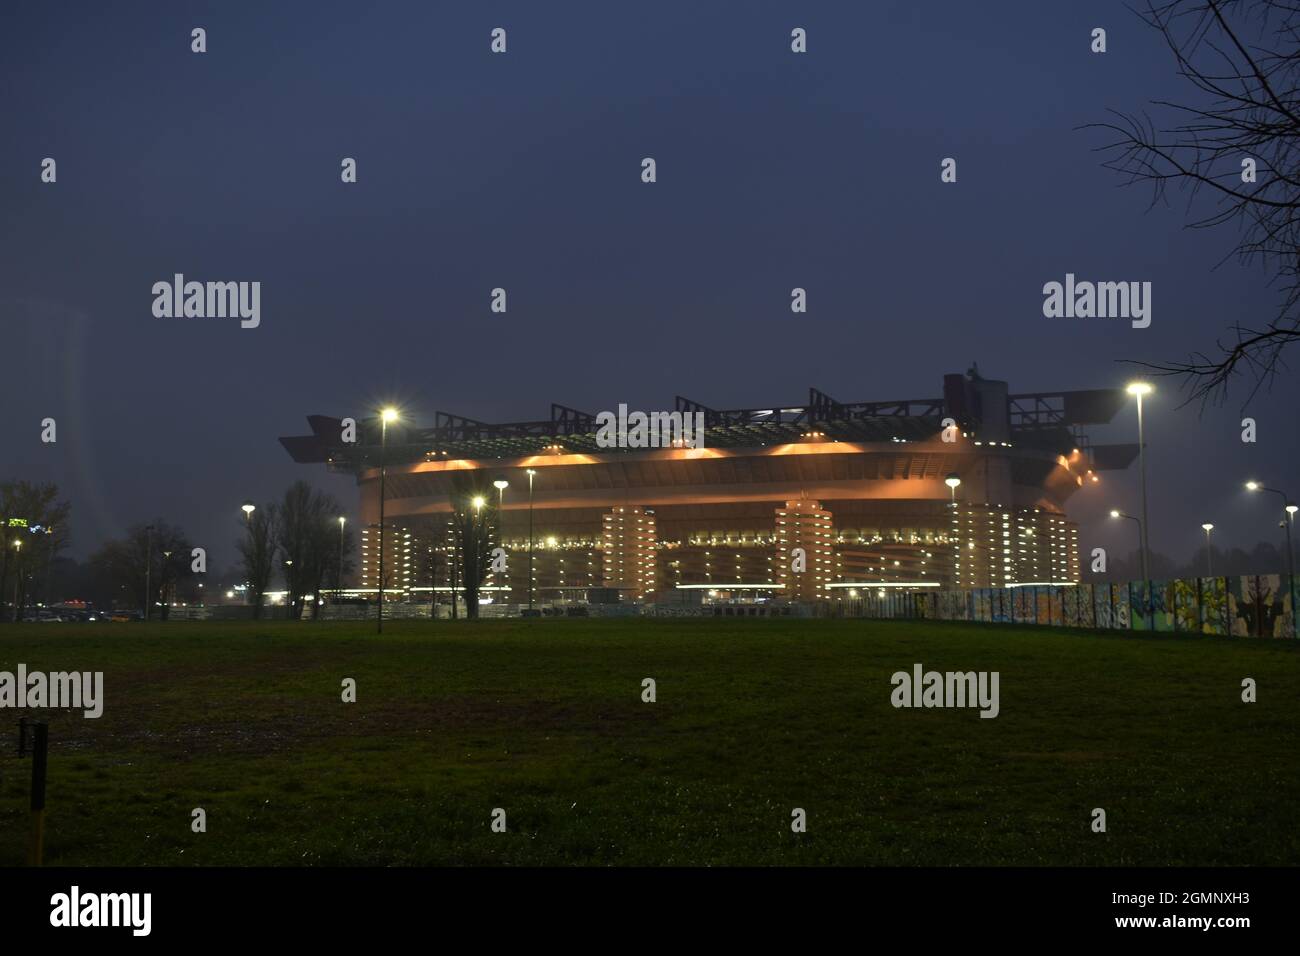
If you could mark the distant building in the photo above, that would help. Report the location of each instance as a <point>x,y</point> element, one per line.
<point>968,489</point>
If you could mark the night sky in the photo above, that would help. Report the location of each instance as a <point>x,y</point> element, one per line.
<point>522,170</point>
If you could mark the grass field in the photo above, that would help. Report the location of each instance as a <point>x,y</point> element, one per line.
<point>544,718</point>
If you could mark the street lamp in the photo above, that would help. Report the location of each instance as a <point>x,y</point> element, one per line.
<point>387,415</point>
<point>18,553</point>
<point>148,566</point>
<point>1209,555</point>
<point>1290,510</point>
<point>1138,390</point>
<point>1141,537</point>
<point>952,481</point>
<point>531,474</point>
<point>338,567</point>
<point>501,485</point>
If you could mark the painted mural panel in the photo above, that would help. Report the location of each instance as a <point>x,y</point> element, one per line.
<point>1214,606</point>
<point>1162,606</point>
<point>1001,605</point>
<point>1070,607</point>
<point>1103,607</point>
<point>1023,612</point>
<point>1087,605</point>
<point>1042,605</point>
<point>1187,605</point>
<point>1137,606</point>
<point>1121,607</point>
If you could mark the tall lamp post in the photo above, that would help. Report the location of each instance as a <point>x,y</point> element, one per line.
<point>501,485</point>
<point>162,583</point>
<point>248,508</point>
<point>387,415</point>
<point>1289,511</point>
<point>477,559</point>
<point>148,569</point>
<point>18,576</point>
<point>1147,612</point>
<point>1138,390</point>
<point>1209,554</point>
<point>338,567</point>
<point>531,475</point>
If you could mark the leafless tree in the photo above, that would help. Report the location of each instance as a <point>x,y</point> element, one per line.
<point>473,539</point>
<point>308,535</point>
<point>257,554</point>
<point>145,563</point>
<point>1236,155</point>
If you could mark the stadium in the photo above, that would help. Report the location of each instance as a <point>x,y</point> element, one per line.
<point>964,490</point>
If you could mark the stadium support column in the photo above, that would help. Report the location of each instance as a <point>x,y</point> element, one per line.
<point>807,525</point>
<point>629,544</point>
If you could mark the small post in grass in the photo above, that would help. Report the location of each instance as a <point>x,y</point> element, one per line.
<point>40,751</point>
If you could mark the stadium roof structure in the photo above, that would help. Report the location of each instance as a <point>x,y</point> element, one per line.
<point>1047,421</point>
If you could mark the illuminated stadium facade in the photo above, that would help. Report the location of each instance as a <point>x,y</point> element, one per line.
<point>866,489</point>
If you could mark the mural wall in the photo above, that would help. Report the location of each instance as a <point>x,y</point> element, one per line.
<point>1251,606</point>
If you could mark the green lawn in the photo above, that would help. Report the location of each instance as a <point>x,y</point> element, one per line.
<point>544,718</point>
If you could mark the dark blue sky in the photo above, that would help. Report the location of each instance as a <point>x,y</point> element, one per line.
<point>523,171</point>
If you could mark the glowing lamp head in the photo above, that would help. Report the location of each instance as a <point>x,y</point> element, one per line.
<point>952,481</point>
<point>248,507</point>
<point>500,484</point>
<point>478,502</point>
<point>1207,527</point>
<point>1116,514</point>
<point>1252,486</point>
<point>389,414</point>
<point>1138,388</point>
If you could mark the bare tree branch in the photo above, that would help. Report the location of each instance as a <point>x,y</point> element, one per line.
<point>1251,112</point>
